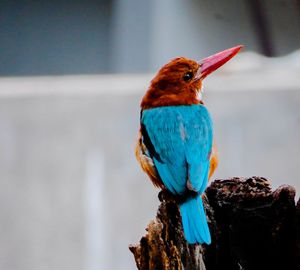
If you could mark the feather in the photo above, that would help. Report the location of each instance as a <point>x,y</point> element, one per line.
<point>179,142</point>
<point>194,221</point>
<point>146,162</point>
<point>213,163</point>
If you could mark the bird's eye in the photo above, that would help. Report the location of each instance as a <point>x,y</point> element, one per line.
<point>188,76</point>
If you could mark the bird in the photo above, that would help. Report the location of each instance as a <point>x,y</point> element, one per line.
<point>175,145</point>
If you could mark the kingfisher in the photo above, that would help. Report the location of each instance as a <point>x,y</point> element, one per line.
<point>175,144</point>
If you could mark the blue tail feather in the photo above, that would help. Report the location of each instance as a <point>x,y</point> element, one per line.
<point>194,221</point>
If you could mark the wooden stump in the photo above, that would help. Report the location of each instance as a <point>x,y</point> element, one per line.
<point>252,227</point>
<point>164,246</point>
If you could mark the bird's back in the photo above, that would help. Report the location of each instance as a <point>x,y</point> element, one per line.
<point>179,141</point>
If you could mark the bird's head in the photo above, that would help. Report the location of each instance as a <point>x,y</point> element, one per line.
<point>179,82</point>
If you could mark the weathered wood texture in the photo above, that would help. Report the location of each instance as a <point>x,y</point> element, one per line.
<point>252,227</point>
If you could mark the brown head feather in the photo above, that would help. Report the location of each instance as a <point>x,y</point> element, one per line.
<point>170,87</point>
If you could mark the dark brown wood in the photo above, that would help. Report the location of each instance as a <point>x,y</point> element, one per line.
<point>252,227</point>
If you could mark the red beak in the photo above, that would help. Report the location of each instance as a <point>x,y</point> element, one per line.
<point>213,62</point>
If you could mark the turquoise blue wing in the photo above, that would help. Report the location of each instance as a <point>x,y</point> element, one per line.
<point>198,147</point>
<point>166,148</point>
<point>179,140</point>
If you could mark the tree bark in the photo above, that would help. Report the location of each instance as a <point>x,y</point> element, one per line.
<point>252,227</point>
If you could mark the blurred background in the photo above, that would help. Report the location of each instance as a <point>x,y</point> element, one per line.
<point>73,73</point>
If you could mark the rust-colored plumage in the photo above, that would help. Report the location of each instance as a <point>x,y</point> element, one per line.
<point>214,161</point>
<point>168,88</point>
<point>146,162</point>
